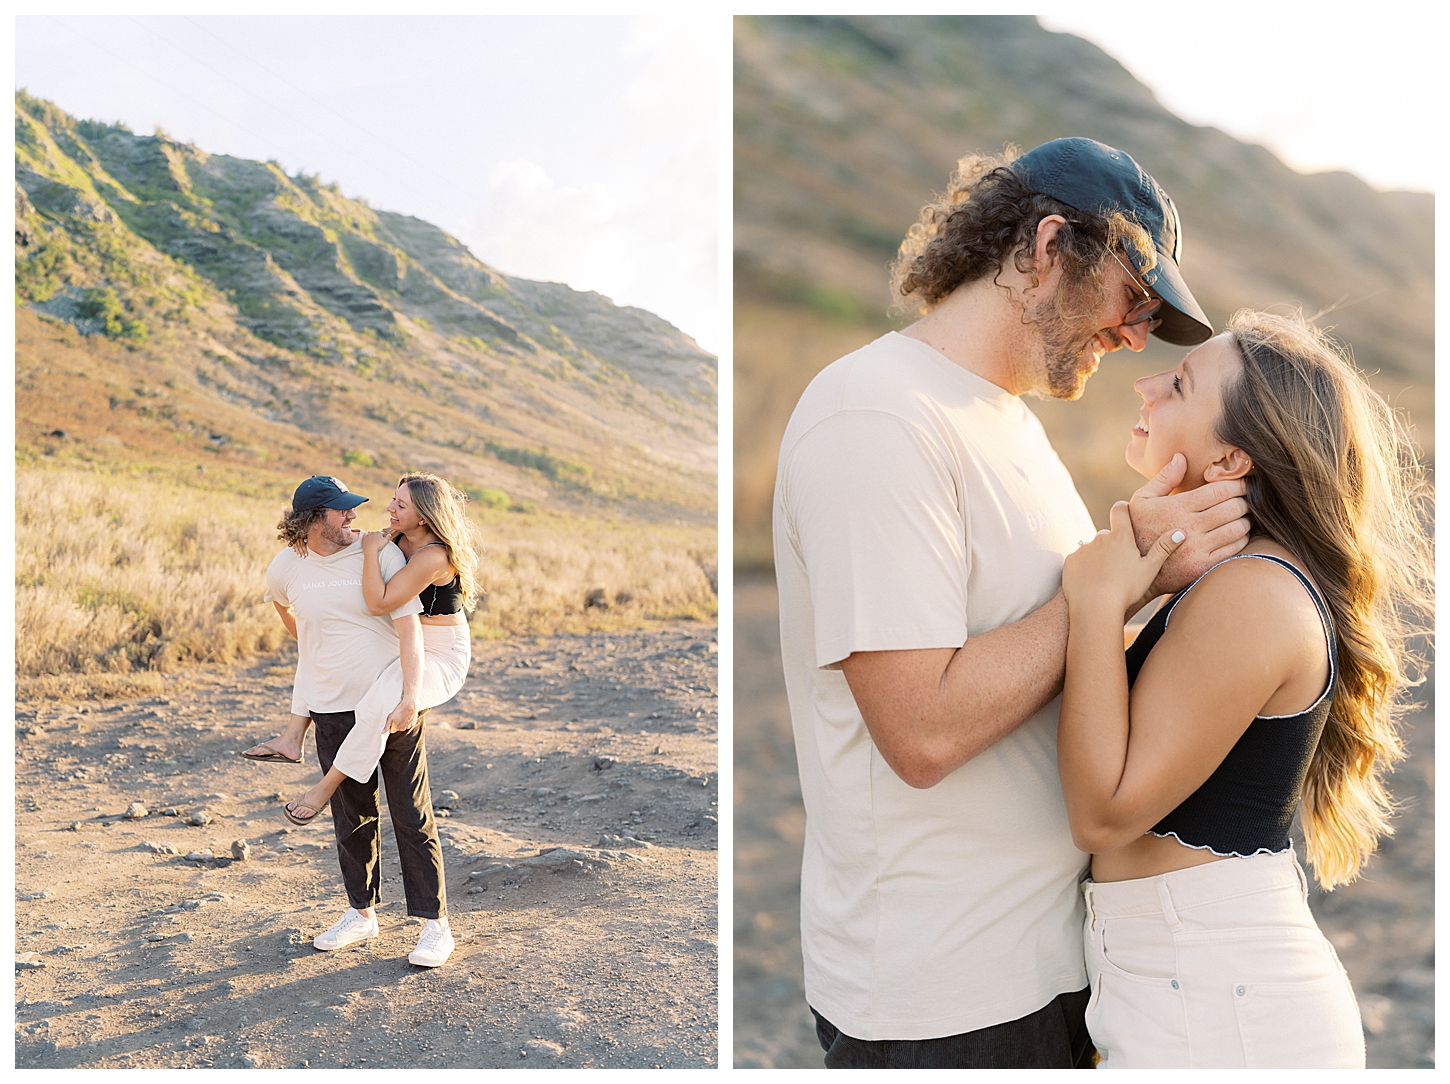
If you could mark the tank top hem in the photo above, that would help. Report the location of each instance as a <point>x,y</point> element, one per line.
<point>1220,854</point>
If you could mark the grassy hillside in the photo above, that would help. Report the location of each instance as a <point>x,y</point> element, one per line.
<point>196,333</point>
<point>376,335</point>
<point>845,125</point>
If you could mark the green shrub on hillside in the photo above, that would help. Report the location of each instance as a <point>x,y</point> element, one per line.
<point>550,466</point>
<point>492,498</point>
<point>101,303</point>
<point>358,459</point>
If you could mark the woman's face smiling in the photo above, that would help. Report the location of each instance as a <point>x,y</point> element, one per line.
<point>402,516</point>
<point>1180,411</point>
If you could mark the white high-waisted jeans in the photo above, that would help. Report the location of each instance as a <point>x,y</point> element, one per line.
<point>1217,966</point>
<point>445,665</point>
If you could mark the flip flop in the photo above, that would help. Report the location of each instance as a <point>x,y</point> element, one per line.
<point>294,818</point>
<point>270,754</point>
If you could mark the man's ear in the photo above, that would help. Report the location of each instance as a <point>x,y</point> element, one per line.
<point>1234,463</point>
<point>1044,248</point>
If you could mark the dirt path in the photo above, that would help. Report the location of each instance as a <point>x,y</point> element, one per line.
<point>580,850</point>
<point>1382,926</point>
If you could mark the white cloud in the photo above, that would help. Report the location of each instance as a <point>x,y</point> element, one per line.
<point>636,218</point>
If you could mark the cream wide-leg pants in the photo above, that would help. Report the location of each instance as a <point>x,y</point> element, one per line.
<point>445,665</point>
<point>1217,966</point>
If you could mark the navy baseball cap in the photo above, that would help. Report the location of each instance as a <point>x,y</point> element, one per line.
<point>324,491</point>
<point>1098,179</point>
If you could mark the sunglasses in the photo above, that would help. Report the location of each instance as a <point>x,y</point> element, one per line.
<point>1141,310</point>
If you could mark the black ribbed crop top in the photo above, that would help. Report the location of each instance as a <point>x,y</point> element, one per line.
<point>440,601</point>
<point>1248,803</point>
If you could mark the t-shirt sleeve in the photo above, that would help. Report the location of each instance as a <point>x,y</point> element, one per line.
<point>874,513</point>
<point>277,580</point>
<point>390,563</point>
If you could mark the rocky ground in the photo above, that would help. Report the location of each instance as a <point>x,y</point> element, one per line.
<point>1383,926</point>
<point>576,776</point>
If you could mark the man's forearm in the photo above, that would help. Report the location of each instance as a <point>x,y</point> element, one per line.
<point>289,619</point>
<point>931,711</point>
<point>410,653</point>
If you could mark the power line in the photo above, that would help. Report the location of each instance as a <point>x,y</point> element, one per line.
<point>154,78</point>
<point>264,101</point>
<point>283,79</point>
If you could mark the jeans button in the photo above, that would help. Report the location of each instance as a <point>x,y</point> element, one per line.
<point>1240,991</point>
<point>1175,984</point>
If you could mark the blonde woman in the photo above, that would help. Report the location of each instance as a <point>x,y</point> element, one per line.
<point>1268,685</point>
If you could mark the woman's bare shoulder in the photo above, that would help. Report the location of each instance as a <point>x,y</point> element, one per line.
<point>430,558</point>
<point>1260,601</point>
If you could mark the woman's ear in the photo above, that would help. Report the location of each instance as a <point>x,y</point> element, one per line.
<point>1234,463</point>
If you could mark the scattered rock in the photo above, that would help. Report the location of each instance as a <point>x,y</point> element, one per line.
<point>565,858</point>
<point>171,811</point>
<point>28,961</point>
<point>45,894</point>
<point>277,796</point>
<point>241,850</point>
<point>200,856</point>
<point>160,848</point>
<point>624,843</point>
<point>488,870</point>
<point>596,599</point>
<point>75,826</point>
<point>200,819</point>
<point>603,762</point>
<point>135,811</point>
<point>447,800</point>
<point>542,1049</point>
<point>29,732</point>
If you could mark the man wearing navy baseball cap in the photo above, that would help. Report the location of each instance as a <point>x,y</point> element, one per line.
<point>921,521</point>
<point>316,585</point>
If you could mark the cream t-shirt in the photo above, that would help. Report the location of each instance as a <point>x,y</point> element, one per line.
<point>918,505</point>
<point>341,648</point>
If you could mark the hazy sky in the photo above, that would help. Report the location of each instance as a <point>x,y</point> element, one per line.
<point>1326,87</point>
<point>579,149</point>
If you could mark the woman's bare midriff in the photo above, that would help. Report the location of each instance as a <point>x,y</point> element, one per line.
<point>1148,856</point>
<point>444,619</point>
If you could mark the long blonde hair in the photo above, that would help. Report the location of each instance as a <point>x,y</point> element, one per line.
<point>1337,482</point>
<point>440,508</point>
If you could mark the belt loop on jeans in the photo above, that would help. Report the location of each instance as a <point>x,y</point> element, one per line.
<point>1166,901</point>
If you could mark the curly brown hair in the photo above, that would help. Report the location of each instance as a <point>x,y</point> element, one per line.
<point>988,214</point>
<point>292,528</point>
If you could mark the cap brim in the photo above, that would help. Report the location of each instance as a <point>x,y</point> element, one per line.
<point>1184,323</point>
<point>343,501</point>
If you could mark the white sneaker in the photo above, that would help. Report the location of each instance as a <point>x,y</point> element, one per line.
<point>350,928</point>
<point>435,945</point>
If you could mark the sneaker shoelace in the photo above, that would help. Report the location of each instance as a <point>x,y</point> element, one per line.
<point>348,922</point>
<point>431,939</point>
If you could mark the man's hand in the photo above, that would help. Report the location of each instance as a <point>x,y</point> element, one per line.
<point>1214,517</point>
<point>403,716</point>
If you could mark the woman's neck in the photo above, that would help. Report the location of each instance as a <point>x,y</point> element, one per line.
<point>417,538</point>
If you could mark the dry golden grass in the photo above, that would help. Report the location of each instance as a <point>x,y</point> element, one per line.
<point>120,579</point>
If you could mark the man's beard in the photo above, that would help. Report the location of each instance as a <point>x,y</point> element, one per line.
<point>337,536</point>
<point>1060,347</point>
